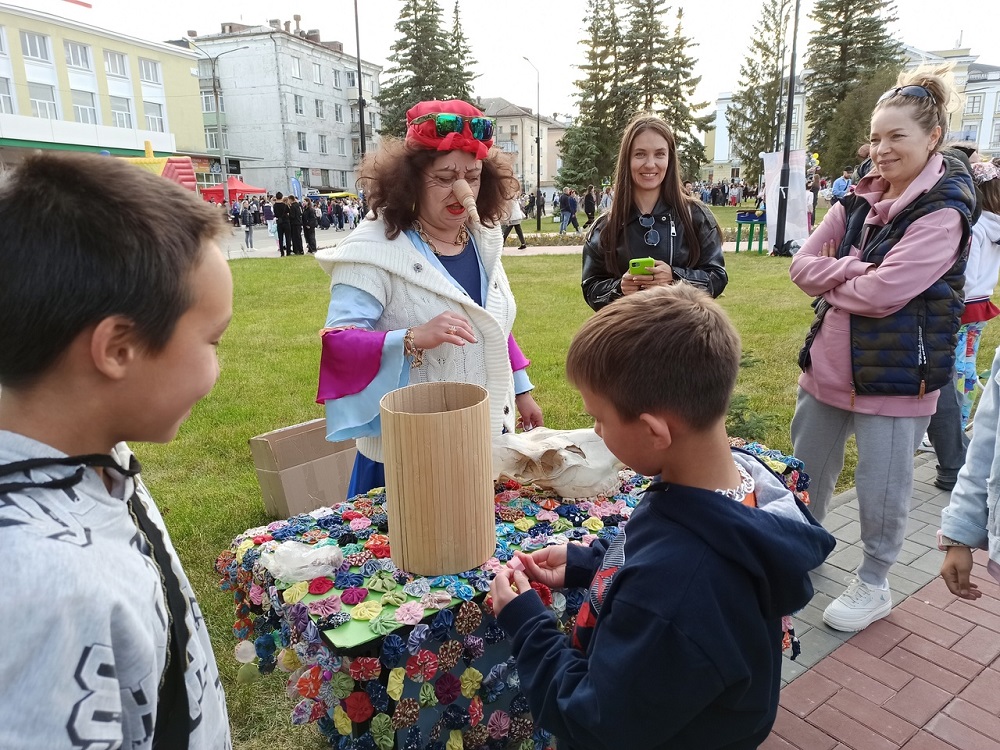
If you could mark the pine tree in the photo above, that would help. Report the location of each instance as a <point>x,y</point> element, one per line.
<point>678,87</point>
<point>645,54</point>
<point>419,64</point>
<point>461,70</point>
<point>851,42</point>
<point>590,144</point>
<point>752,115</point>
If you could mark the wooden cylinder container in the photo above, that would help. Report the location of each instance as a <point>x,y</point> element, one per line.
<point>438,477</point>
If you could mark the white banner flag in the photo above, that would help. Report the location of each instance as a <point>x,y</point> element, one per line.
<point>796,226</point>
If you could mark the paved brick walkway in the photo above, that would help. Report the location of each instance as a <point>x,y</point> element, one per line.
<point>927,677</point>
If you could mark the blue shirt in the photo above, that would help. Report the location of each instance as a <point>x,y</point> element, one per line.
<point>840,186</point>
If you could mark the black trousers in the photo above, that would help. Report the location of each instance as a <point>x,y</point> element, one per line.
<point>296,232</point>
<point>310,233</point>
<point>517,228</point>
<point>284,247</point>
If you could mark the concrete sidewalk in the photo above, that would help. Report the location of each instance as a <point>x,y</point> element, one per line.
<point>266,246</point>
<point>927,677</point>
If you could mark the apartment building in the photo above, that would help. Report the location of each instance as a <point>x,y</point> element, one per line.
<point>289,102</point>
<point>65,85</point>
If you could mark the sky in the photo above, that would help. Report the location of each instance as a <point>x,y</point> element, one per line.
<point>548,32</point>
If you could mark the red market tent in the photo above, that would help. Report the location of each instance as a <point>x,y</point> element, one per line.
<point>237,190</point>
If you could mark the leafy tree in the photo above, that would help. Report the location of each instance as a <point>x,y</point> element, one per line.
<point>753,113</point>
<point>420,63</point>
<point>851,42</point>
<point>461,72</point>
<point>851,122</point>
<point>678,86</point>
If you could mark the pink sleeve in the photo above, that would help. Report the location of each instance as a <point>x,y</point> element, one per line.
<point>921,257</point>
<point>814,273</point>
<point>350,359</point>
<point>517,359</point>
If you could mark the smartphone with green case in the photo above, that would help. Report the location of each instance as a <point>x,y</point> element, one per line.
<point>641,266</point>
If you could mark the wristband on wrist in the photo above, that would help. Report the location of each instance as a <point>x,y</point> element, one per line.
<point>944,542</point>
<point>411,350</point>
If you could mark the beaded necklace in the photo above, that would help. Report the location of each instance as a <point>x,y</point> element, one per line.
<point>462,238</point>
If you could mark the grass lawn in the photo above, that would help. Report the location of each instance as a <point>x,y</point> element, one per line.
<point>205,483</point>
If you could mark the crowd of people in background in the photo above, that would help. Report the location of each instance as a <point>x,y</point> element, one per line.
<point>289,220</point>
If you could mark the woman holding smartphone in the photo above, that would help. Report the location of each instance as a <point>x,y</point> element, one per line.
<point>651,217</point>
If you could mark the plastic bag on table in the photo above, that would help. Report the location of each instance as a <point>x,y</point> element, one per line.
<point>571,463</point>
<point>295,561</point>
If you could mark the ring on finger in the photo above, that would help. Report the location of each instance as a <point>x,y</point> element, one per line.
<point>452,330</point>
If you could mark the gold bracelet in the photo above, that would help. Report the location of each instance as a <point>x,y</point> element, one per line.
<point>410,349</point>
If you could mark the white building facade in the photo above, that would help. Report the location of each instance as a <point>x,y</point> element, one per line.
<point>289,107</point>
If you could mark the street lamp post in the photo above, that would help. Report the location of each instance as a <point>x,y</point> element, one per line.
<point>538,145</point>
<point>779,231</point>
<point>218,115</point>
<point>361,91</point>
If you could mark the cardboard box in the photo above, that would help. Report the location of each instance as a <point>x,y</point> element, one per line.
<point>299,470</point>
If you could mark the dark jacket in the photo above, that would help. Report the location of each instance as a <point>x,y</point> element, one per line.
<point>589,204</point>
<point>280,209</point>
<point>309,220</point>
<point>295,214</point>
<point>685,646</point>
<point>601,286</point>
<point>564,201</point>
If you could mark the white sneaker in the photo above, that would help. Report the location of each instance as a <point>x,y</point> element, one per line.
<point>858,607</point>
<point>925,445</point>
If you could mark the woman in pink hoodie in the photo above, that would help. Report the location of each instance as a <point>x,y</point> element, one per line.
<point>886,268</point>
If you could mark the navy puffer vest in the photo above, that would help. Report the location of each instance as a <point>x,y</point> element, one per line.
<point>912,351</point>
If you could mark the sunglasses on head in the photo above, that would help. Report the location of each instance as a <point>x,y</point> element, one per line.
<point>481,127</point>
<point>918,91</point>
<point>652,236</point>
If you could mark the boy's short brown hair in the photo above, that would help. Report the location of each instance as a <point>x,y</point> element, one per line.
<point>84,237</point>
<point>666,349</point>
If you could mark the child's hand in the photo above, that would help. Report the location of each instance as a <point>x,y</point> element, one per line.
<point>502,591</point>
<point>955,571</point>
<point>546,565</point>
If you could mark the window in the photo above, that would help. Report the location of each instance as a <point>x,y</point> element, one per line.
<point>338,112</point>
<point>77,55</point>
<point>322,146</point>
<point>35,46</point>
<point>317,73</point>
<point>115,64</point>
<point>296,68</point>
<point>342,146</point>
<point>212,140</point>
<point>300,105</point>
<point>43,100</point>
<point>302,141</point>
<point>154,116</point>
<point>351,79</point>
<point>6,100</point>
<point>994,141</point>
<point>319,109</point>
<point>336,79</point>
<point>343,179</point>
<point>83,107</point>
<point>367,81</point>
<point>974,104</point>
<point>970,131</point>
<point>3,42</point>
<point>371,119</point>
<point>208,102</point>
<point>513,129</point>
<point>324,177</point>
<point>121,112</point>
<point>149,70</point>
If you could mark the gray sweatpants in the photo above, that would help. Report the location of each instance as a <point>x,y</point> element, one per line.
<point>883,477</point>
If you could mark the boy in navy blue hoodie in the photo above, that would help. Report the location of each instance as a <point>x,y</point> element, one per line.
<point>679,642</point>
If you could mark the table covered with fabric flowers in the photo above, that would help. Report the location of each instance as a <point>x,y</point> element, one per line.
<point>380,658</point>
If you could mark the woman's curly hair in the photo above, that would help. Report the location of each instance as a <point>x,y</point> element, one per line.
<point>393,180</point>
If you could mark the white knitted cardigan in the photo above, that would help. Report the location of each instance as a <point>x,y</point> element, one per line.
<point>412,291</point>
